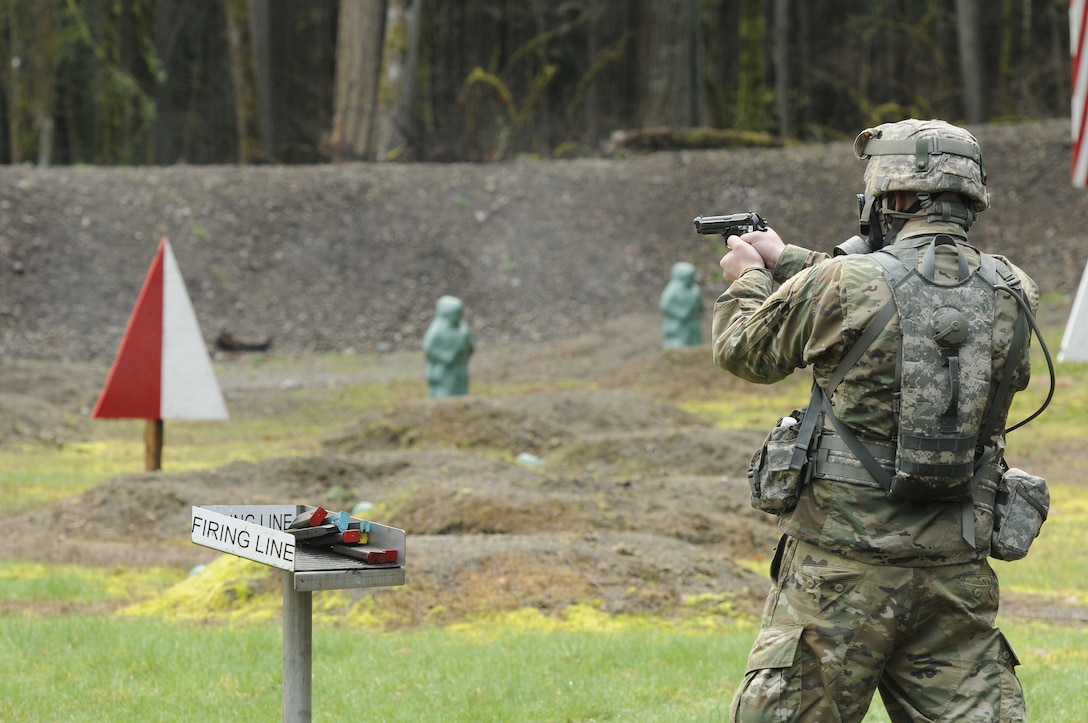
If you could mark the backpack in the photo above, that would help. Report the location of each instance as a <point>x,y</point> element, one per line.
<point>943,369</point>
<point>943,374</point>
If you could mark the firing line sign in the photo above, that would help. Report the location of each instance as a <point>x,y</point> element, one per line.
<point>259,533</point>
<point>255,533</point>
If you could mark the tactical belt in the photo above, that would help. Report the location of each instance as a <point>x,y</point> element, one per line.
<point>835,460</point>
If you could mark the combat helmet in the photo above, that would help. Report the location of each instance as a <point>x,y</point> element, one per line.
<point>928,158</point>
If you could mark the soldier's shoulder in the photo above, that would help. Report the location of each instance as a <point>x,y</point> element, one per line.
<point>853,268</point>
<point>1026,282</point>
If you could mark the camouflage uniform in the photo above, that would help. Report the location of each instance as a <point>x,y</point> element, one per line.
<point>868,593</point>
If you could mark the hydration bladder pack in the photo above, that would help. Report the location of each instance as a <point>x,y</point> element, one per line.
<point>944,368</point>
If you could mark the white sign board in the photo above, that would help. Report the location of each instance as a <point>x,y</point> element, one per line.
<point>233,532</point>
<point>259,533</point>
<point>278,517</point>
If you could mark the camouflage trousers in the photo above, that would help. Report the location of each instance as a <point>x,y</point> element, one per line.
<point>834,631</point>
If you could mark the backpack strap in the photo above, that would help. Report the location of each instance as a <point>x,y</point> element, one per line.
<point>856,446</point>
<point>929,258</point>
<point>1016,347</point>
<point>989,269</point>
<point>896,271</point>
<point>819,400</point>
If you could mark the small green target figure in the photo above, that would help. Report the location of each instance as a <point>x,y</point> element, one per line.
<point>682,306</point>
<point>448,345</point>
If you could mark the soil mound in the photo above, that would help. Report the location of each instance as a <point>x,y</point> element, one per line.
<point>532,423</point>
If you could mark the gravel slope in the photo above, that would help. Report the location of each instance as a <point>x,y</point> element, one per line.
<point>354,256</point>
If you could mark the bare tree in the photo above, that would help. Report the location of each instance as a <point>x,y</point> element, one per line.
<point>241,75</point>
<point>782,65</point>
<point>11,66</point>
<point>753,67</point>
<point>361,29</point>
<point>400,53</point>
<point>671,61</point>
<point>260,30</point>
<point>44,75</point>
<point>971,76</point>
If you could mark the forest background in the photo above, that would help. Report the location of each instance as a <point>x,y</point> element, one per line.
<point>134,82</point>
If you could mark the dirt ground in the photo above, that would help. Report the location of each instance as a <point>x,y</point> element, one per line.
<point>634,504</point>
<point>630,504</point>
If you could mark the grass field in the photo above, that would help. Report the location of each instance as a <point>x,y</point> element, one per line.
<point>87,667</point>
<point>69,651</point>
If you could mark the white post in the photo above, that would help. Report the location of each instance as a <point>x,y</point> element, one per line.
<point>297,652</point>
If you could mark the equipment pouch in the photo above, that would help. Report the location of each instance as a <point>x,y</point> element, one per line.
<point>773,476</point>
<point>1020,509</point>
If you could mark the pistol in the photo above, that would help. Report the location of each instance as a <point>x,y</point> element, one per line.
<point>733,224</point>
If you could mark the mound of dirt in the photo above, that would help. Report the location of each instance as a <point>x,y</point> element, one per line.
<point>531,423</point>
<point>599,526</point>
<point>45,402</point>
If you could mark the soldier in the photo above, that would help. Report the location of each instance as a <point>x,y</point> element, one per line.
<point>881,580</point>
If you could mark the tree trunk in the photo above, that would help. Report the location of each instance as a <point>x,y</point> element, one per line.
<point>361,28</point>
<point>11,67</point>
<point>967,26</point>
<point>782,65</point>
<point>165,118</point>
<point>753,67</point>
<point>246,129</point>
<point>670,62</point>
<point>43,58</point>
<point>397,74</point>
<point>803,83</point>
<point>260,33</point>
<point>1020,85</point>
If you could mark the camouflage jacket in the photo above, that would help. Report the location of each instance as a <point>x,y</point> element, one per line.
<point>822,306</point>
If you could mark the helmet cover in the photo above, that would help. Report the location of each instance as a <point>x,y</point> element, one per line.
<point>923,157</point>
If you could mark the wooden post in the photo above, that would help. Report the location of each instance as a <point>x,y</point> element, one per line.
<point>297,652</point>
<point>153,445</point>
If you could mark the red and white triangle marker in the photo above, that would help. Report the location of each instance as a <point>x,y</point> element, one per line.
<point>162,369</point>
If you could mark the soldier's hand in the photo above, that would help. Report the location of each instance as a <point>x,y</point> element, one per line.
<point>741,257</point>
<point>768,244</point>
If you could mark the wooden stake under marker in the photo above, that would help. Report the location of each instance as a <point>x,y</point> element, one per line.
<point>153,445</point>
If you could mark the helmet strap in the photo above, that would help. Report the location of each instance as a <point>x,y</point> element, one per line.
<point>870,221</point>
<point>943,209</point>
<point>891,222</point>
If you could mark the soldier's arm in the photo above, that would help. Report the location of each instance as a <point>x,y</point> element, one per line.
<point>759,335</point>
<point>795,259</point>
